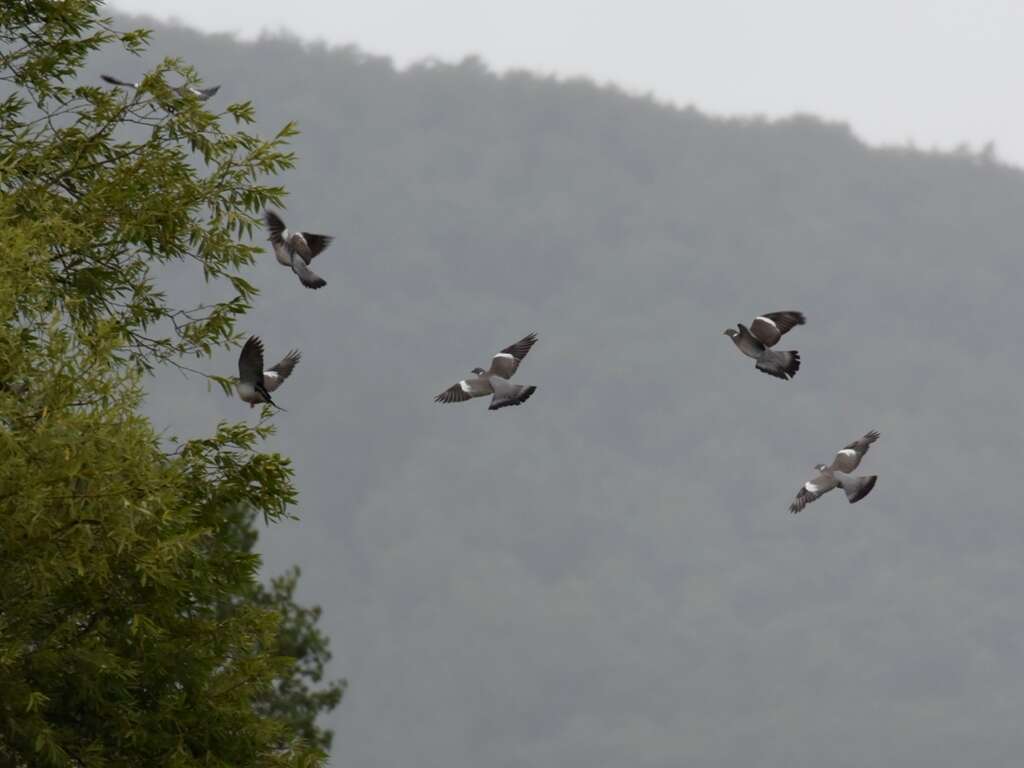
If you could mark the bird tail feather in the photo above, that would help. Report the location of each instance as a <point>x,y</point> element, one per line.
<point>859,487</point>
<point>306,276</point>
<point>781,365</point>
<point>520,396</point>
<point>267,399</point>
<point>790,362</point>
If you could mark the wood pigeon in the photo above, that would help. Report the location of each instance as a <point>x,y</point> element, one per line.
<point>836,475</point>
<point>296,249</point>
<point>765,332</point>
<point>495,380</point>
<point>256,384</point>
<point>200,93</point>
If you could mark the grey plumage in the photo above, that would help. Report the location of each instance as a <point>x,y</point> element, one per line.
<point>275,377</point>
<point>495,380</point>
<point>17,388</point>
<point>766,330</point>
<point>772,326</point>
<point>115,81</point>
<point>856,488</point>
<point>848,458</point>
<point>256,384</point>
<point>837,475</point>
<point>814,488</point>
<point>506,393</point>
<point>200,93</point>
<point>296,249</point>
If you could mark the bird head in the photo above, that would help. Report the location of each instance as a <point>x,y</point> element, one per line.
<point>820,467</point>
<point>478,371</point>
<point>730,332</point>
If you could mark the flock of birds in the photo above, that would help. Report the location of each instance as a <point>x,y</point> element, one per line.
<point>757,342</point>
<point>296,250</point>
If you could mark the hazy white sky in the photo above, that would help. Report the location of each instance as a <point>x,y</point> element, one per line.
<point>937,72</point>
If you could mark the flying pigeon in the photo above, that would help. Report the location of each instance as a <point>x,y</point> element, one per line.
<point>495,380</point>
<point>296,249</point>
<point>200,93</point>
<point>765,332</point>
<point>256,384</point>
<point>837,475</point>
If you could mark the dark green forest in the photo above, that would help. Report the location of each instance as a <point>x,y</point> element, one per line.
<point>608,575</point>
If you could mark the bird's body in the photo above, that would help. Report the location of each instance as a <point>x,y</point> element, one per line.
<point>495,380</point>
<point>756,342</point>
<point>251,394</point>
<point>837,475</point>
<point>506,393</point>
<point>200,93</point>
<point>296,250</point>
<point>255,384</point>
<point>117,81</point>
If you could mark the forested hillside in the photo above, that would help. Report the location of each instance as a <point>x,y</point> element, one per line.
<point>608,575</point>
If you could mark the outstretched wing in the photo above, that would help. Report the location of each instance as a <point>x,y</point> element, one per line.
<point>275,377</point>
<point>771,327</point>
<point>849,457</point>
<point>250,363</point>
<point>812,490</point>
<point>315,244</point>
<point>204,93</point>
<point>115,81</point>
<point>506,362</point>
<point>275,226</point>
<point>466,389</point>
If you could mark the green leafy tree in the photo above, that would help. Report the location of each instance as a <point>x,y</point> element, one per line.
<point>117,558</point>
<point>295,698</point>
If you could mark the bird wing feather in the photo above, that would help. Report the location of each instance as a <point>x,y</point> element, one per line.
<point>316,244</point>
<point>506,362</point>
<point>275,225</point>
<point>116,81</point>
<point>772,326</point>
<point>848,458</point>
<point>250,362</point>
<point>811,490</point>
<point>464,390</point>
<point>282,370</point>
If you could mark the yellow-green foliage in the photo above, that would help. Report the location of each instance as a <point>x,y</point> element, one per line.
<point>118,556</point>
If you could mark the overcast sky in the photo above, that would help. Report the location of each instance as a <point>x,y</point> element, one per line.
<point>609,575</point>
<point>937,72</point>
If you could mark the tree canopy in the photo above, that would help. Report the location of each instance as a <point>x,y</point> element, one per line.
<point>133,630</point>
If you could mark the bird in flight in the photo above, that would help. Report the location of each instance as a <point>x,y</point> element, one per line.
<point>256,384</point>
<point>296,249</point>
<point>495,380</point>
<point>200,93</point>
<point>837,475</point>
<point>764,333</point>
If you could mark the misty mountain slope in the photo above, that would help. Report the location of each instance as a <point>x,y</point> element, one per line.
<point>608,574</point>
